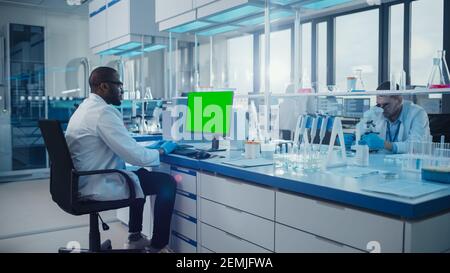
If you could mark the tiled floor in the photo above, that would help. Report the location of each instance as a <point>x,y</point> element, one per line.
<point>31,222</point>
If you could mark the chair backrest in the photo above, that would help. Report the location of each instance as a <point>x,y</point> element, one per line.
<point>62,188</point>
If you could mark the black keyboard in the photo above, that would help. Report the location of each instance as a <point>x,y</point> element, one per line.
<point>185,152</point>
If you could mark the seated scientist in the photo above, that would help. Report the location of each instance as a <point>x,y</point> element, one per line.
<point>401,121</point>
<point>98,139</point>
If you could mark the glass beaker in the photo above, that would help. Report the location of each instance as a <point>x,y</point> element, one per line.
<point>439,77</point>
<point>359,80</point>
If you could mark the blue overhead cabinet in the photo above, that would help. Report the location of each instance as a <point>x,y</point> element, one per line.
<point>118,26</point>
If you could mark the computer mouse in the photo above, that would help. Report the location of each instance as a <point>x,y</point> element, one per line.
<point>202,155</point>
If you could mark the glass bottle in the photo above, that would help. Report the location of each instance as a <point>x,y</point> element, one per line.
<point>439,77</point>
<point>359,86</point>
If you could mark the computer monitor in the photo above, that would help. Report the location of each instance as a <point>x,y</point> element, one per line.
<point>355,108</point>
<point>209,113</point>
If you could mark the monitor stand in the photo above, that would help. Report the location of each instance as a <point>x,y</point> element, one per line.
<point>214,146</point>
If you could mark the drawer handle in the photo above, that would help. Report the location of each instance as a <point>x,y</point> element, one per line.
<point>330,205</point>
<point>234,209</point>
<point>234,236</point>
<point>329,241</point>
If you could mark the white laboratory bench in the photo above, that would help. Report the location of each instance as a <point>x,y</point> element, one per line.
<point>221,208</point>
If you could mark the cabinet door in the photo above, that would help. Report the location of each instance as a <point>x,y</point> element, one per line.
<point>97,23</point>
<point>118,14</point>
<point>165,9</point>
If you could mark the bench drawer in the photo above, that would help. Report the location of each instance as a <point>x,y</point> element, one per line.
<point>345,225</point>
<point>295,241</point>
<point>249,227</point>
<point>253,199</point>
<point>219,241</point>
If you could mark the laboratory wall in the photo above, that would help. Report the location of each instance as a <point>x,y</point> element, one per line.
<point>62,30</point>
<point>70,32</point>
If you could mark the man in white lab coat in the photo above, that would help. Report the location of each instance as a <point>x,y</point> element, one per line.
<point>98,139</point>
<point>402,121</point>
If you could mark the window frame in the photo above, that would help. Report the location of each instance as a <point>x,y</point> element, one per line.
<point>383,46</point>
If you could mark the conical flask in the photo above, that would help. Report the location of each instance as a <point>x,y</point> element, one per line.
<point>439,77</point>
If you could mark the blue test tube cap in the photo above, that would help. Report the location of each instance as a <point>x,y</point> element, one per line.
<point>330,123</point>
<point>308,122</point>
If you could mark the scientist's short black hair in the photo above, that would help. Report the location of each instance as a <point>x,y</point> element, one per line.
<point>387,86</point>
<point>99,75</point>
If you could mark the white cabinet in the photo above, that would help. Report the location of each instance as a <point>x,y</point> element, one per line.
<point>199,3</point>
<point>116,22</point>
<point>166,9</point>
<point>428,235</point>
<point>118,19</point>
<point>173,13</point>
<point>97,23</point>
<point>184,218</point>
<point>224,5</point>
<point>341,224</point>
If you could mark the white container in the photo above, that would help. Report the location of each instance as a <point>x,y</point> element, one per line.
<point>267,150</point>
<point>362,155</point>
<point>252,150</point>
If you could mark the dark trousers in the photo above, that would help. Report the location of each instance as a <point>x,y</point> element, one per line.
<point>164,187</point>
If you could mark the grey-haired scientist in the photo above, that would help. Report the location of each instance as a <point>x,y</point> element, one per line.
<point>398,122</point>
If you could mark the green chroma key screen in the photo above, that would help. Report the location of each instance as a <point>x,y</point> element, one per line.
<point>209,112</point>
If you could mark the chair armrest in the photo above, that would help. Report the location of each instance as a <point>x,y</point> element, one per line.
<point>127,178</point>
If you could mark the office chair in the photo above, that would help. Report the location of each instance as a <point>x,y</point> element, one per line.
<point>64,187</point>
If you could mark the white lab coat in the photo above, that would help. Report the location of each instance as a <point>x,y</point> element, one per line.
<point>414,126</point>
<point>97,140</point>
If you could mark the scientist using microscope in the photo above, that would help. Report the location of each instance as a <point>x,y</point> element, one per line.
<point>397,122</point>
<point>97,139</point>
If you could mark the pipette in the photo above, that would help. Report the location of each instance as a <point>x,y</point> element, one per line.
<point>313,131</point>
<point>323,128</point>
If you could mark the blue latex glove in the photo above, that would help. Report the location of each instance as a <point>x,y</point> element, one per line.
<point>349,139</point>
<point>156,145</point>
<point>168,147</point>
<point>374,141</point>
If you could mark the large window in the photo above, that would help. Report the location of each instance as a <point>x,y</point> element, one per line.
<point>306,55</point>
<point>280,60</point>
<point>240,64</point>
<point>396,39</point>
<point>357,48</point>
<point>322,57</point>
<point>426,37</point>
